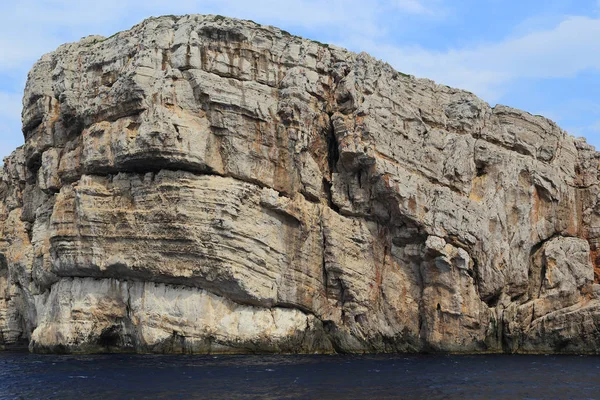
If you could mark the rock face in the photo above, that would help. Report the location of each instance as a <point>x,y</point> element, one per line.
<point>205,184</point>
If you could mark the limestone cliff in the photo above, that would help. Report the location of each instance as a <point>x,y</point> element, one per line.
<point>205,184</point>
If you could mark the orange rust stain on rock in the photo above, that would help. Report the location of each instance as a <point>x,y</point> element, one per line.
<point>387,158</point>
<point>359,120</point>
<point>54,114</point>
<point>534,216</point>
<point>412,205</point>
<point>386,261</point>
<point>587,294</point>
<point>318,144</point>
<point>550,266</point>
<point>477,191</point>
<point>595,258</point>
<point>575,224</point>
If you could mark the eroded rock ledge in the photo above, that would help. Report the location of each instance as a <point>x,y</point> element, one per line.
<point>205,184</point>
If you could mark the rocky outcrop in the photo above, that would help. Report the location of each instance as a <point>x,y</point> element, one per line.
<point>205,184</point>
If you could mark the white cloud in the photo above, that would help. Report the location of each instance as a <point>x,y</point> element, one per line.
<point>31,28</point>
<point>561,52</point>
<point>428,7</point>
<point>591,131</point>
<point>543,48</point>
<point>412,6</point>
<point>10,126</point>
<point>10,106</point>
<point>582,118</point>
<point>50,22</point>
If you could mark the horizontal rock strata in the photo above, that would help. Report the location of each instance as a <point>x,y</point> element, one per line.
<point>201,184</point>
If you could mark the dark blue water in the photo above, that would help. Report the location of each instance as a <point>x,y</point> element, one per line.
<point>26,376</point>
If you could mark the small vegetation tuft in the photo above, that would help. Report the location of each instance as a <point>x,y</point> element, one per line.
<point>320,44</point>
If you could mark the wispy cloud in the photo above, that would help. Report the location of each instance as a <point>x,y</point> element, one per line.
<point>543,46</point>
<point>591,132</point>
<point>50,23</point>
<point>565,50</point>
<point>416,6</point>
<point>10,125</point>
<point>10,106</point>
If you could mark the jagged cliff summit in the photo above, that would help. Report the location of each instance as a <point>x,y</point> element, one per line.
<point>209,185</point>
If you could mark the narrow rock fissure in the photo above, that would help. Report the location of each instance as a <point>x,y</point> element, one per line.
<point>333,154</point>
<point>324,257</point>
<point>332,161</point>
<point>421,309</point>
<point>328,192</point>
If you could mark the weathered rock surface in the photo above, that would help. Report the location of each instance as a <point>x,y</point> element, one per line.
<point>205,184</point>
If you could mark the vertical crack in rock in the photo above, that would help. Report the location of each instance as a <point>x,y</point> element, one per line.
<point>421,308</point>
<point>3,265</point>
<point>333,157</point>
<point>325,273</point>
<point>333,154</point>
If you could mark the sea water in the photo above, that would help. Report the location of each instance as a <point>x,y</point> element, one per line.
<point>28,376</point>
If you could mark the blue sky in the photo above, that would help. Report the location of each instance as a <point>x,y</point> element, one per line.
<point>542,56</point>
